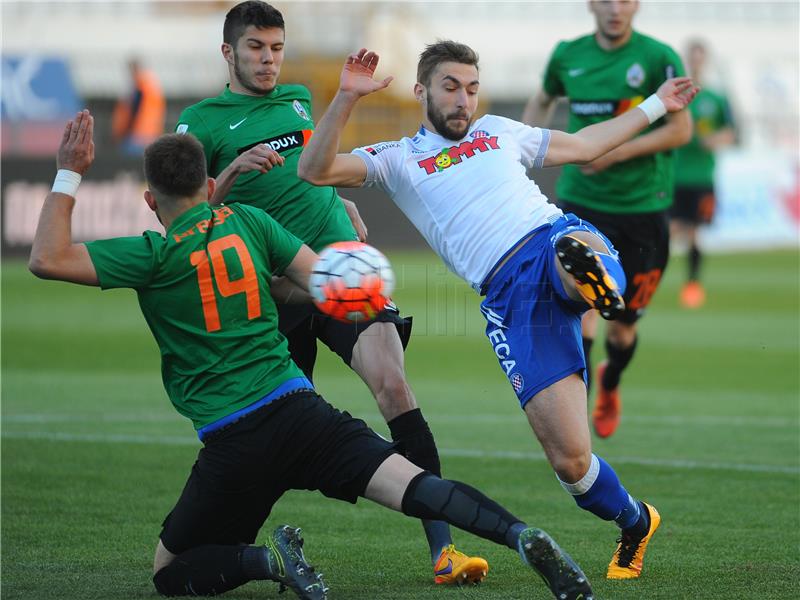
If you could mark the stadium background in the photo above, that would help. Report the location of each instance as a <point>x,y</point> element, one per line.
<point>93,455</point>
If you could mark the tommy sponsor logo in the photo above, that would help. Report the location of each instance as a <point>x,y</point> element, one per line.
<point>455,154</point>
<point>287,141</point>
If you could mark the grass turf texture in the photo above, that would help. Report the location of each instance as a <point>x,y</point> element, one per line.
<point>93,456</point>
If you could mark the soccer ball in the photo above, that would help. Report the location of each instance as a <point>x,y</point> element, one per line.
<point>351,281</point>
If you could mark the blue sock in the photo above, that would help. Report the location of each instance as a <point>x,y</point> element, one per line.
<point>614,268</point>
<point>601,493</point>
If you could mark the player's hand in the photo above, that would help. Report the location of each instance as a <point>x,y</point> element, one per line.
<point>355,219</point>
<point>358,72</point>
<point>76,151</point>
<point>260,158</point>
<point>677,93</point>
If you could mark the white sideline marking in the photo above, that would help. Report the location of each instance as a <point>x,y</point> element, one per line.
<point>681,421</point>
<point>175,440</point>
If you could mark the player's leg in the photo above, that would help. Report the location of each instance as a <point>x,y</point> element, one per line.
<point>644,253</point>
<point>206,544</point>
<point>295,322</point>
<point>402,486</point>
<point>557,415</point>
<point>375,353</point>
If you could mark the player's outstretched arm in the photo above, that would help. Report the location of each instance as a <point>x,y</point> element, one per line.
<point>320,162</point>
<point>53,255</point>
<point>595,140</point>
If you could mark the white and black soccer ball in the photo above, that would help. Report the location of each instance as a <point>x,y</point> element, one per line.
<point>351,281</point>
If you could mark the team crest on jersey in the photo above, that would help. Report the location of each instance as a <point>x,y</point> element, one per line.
<point>298,108</point>
<point>517,382</point>
<point>455,154</point>
<point>635,75</point>
<point>479,133</point>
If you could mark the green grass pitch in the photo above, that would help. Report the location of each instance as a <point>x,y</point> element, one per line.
<point>93,456</point>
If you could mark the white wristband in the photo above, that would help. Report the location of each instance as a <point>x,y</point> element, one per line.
<point>66,182</point>
<point>653,108</point>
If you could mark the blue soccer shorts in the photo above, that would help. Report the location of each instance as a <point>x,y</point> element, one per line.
<point>533,326</point>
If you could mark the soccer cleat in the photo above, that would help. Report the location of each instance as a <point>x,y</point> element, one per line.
<point>627,560</point>
<point>607,406</point>
<point>592,281</point>
<point>291,569</point>
<point>456,567</point>
<point>693,295</point>
<point>556,568</point>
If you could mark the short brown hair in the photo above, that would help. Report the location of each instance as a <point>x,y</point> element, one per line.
<point>253,12</point>
<point>440,52</point>
<point>175,165</point>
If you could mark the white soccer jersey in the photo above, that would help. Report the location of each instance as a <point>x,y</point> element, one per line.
<point>472,199</point>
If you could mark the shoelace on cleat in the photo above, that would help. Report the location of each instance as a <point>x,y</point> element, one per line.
<point>627,550</point>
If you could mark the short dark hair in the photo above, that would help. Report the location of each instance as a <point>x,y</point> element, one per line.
<point>440,52</point>
<point>252,12</point>
<point>175,165</point>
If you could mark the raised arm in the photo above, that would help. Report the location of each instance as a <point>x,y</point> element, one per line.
<point>596,140</point>
<point>320,162</point>
<point>53,255</point>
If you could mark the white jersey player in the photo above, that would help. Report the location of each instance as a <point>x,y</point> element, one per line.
<point>463,184</point>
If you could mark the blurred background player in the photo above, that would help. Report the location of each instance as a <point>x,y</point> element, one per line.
<point>627,192</point>
<point>138,119</point>
<point>694,170</point>
<point>203,288</point>
<point>252,117</point>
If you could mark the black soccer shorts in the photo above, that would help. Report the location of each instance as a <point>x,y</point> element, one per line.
<point>642,241</point>
<point>694,205</point>
<point>303,324</point>
<point>297,442</point>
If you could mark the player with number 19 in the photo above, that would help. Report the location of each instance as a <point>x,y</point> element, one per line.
<point>204,290</point>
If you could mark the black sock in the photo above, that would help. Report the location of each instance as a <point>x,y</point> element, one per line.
<point>618,359</point>
<point>587,354</point>
<point>428,497</point>
<point>642,525</point>
<point>416,441</point>
<point>694,262</point>
<point>211,569</point>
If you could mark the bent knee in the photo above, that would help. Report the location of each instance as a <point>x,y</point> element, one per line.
<point>571,468</point>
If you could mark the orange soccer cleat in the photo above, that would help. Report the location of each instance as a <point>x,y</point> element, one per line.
<point>607,406</point>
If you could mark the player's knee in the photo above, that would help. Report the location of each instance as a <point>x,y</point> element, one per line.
<point>621,335</point>
<point>571,467</point>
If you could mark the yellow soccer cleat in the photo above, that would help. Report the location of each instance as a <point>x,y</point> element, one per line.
<point>592,281</point>
<point>627,560</point>
<point>456,567</point>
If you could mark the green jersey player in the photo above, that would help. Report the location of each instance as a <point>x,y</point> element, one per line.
<point>252,121</point>
<point>203,288</point>
<point>625,193</point>
<point>694,171</point>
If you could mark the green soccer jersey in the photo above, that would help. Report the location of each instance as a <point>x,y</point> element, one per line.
<point>600,85</point>
<point>694,164</point>
<point>204,292</point>
<point>233,123</point>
